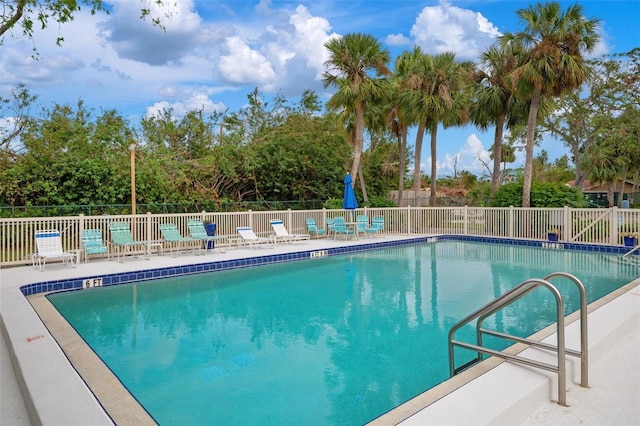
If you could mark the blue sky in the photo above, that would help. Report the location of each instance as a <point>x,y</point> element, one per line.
<point>213,53</point>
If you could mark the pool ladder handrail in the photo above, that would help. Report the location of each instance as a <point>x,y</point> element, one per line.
<point>507,298</point>
<point>631,251</point>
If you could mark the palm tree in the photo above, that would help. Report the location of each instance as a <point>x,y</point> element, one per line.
<point>397,124</point>
<point>432,95</point>
<point>554,42</point>
<point>352,60</point>
<point>494,101</point>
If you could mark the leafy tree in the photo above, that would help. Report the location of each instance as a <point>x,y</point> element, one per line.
<point>81,167</point>
<point>543,194</point>
<point>30,14</point>
<point>352,60</point>
<point>614,88</point>
<point>301,160</point>
<point>16,112</point>
<point>554,42</point>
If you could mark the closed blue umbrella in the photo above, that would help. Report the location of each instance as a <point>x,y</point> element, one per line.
<point>349,201</point>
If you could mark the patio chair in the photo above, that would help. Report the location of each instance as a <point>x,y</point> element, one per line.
<point>362,223</point>
<point>330,226</point>
<point>91,241</point>
<point>340,228</point>
<point>176,241</point>
<point>199,232</point>
<point>313,228</point>
<point>49,245</point>
<point>281,233</point>
<point>123,241</point>
<point>249,237</point>
<point>377,225</point>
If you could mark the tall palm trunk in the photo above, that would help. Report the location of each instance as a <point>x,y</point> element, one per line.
<point>531,131</point>
<point>363,187</point>
<point>434,165</point>
<point>418,155</point>
<point>402,153</point>
<point>359,142</point>
<point>497,154</point>
<point>610,191</point>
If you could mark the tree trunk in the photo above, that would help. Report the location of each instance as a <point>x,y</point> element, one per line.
<point>497,154</point>
<point>528,164</point>
<point>610,191</point>
<point>362,185</point>
<point>416,173</point>
<point>623,185</point>
<point>434,165</point>
<point>402,154</point>
<point>357,148</point>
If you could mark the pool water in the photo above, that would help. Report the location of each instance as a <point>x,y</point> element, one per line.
<point>338,340</point>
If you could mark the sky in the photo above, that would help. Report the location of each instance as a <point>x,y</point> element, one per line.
<point>213,53</point>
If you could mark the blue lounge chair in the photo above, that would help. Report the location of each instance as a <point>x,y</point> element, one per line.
<point>176,241</point>
<point>92,243</point>
<point>199,232</point>
<point>123,241</point>
<point>313,228</point>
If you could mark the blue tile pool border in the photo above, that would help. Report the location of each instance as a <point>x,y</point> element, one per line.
<point>176,271</point>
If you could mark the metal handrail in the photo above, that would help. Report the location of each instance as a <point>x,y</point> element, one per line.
<point>631,251</point>
<point>507,298</point>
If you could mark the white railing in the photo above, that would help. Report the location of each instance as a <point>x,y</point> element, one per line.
<point>596,226</point>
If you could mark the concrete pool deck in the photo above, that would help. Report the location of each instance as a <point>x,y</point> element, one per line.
<point>55,394</point>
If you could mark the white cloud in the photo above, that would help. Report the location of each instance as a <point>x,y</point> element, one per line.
<point>467,158</point>
<point>446,28</point>
<point>194,102</point>
<point>140,40</point>
<point>397,40</point>
<point>243,65</point>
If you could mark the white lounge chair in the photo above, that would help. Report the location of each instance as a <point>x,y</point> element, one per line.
<point>49,244</point>
<point>249,237</point>
<point>282,234</point>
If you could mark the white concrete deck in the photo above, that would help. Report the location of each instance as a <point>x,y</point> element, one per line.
<point>54,394</point>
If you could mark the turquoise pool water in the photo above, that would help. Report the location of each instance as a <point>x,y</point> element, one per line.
<point>334,341</point>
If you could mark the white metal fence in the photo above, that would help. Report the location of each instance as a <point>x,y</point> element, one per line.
<point>596,226</point>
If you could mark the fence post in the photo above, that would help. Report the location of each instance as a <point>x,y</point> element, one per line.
<point>408,219</point>
<point>614,225</point>
<point>511,224</point>
<point>148,232</point>
<point>465,228</point>
<point>250,212</point>
<point>566,226</point>
<point>80,229</point>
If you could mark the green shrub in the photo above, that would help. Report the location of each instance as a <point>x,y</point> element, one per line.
<point>377,201</point>
<point>543,194</point>
<point>333,203</point>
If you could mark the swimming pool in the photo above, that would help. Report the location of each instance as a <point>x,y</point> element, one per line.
<point>326,341</point>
